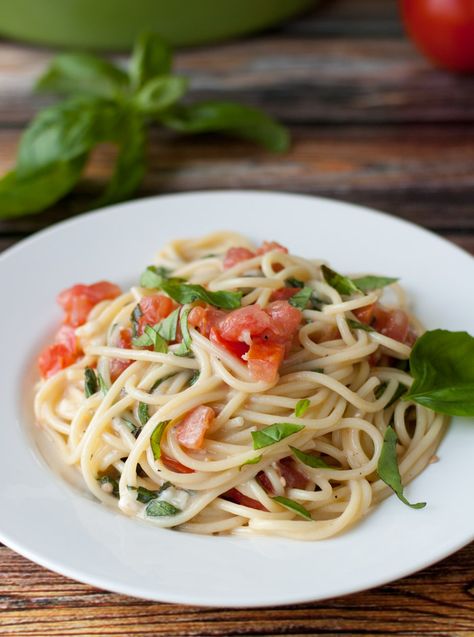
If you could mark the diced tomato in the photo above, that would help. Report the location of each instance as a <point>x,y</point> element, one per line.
<point>365,314</point>
<point>79,300</point>
<point>264,359</point>
<point>236,348</point>
<point>293,477</point>
<point>285,321</point>
<point>54,358</point>
<point>235,496</point>
<point>174,465</point>
<point>328,333</point>
<point>205,318</point>
<point>283,294</point>
<point>67,336</point>
<point>191,431</point>
<point>268,246</point>
<point>119,365</point>
<point>236,255</point>
<point>242,324</point>
<point>154,309</point>
<point>265,482</point>
<point>392,323</point>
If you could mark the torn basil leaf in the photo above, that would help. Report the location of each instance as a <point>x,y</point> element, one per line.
<point>143,414</point>
<point>302,407</point>
<point>159,381</point>
<point>160,508</point>
<point>301,298</point>
<point>311,461</point>
<point>131,426</point>
<point>188,292</point>
<point>387,467</point>
<point>356,325</point>
<point>104,388</point>
<point>151,337</point>
<point>251,461</point>
<point>168,326</point>
<point>343,284</point>
<point>111,485</point>
<point>134,319</point>
<point>155,438</point>
<point>185,346</point>
<point>145,495</point>
<point>294,283</point>
<point>370,282</point>
<point>274,433</point>
<point>91,384</point>
<point>153,276</point>
<point>291,505</point>
<point>194,378</point>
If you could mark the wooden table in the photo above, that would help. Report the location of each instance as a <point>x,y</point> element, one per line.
<point>372,123</point>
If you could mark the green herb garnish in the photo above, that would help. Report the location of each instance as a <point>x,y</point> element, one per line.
<point>194,378</point>
<point>294,283</point>
<point>159,508</point>
<point>103,103</point>
<point>184,348</point>
<point>143,413</point>
<point>134,319</point>
<point>296,507</point>
<point>387,467</point>
<point>251,461</point>
<point>151,337</point>
<point>343,284</point>
<point>131,426</point>
<point>302,407</point>
<point>308,459</point>
<point>145,495</point>
<point>168,326</point>
<point>188,292</point>
<point>153,276</point>
<point>301,298</point>
<point>107,480</point>
<point>91,384</point>
<point>274,433</point>
<point>370,282</point>
<point>155,438</point>
<point>356,325</point>
<point>104,388</point>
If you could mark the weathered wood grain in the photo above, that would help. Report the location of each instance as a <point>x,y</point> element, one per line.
<point>437,601</point>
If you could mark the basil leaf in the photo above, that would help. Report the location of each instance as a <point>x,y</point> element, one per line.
<point>168,326</point>
<point>159,381</point>
<point>104,388</point>
<point>255,460</point>
<point>83,73</point>
<point>153,277</point>
<point>370,282</point>
<point>294,283</point>
<point>301,298</point>
<point>188,292</point>
<point>311,461</point>
<point>131,426</point>
<point>155,438</point>
<point>21,195</point>
<point>194,378</point>
<point>399,392</point>
<point>91,386</point>
<point>185,347</point>
<point>114,486</point>
<point>135,318</point>
<point>442,364</point>
<point>151,56</point>
<point>356,325</point>
<point>228,117</point>
<point>145,495</point>
<point>387,467</point>
<point>160,508</point>
<point>160,93</point>
<point>315,303</point>
<point>274,433</point>
<point>143,413</point>
<point>142,341</point>
<point>296,507</point>
<point>339,282</point>
<point>158,342</point>
<point>302,407</point>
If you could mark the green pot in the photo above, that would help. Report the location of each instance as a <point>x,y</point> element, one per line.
<point>114,24</point>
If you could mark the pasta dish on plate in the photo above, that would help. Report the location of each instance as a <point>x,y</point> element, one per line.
<point>239,390</point>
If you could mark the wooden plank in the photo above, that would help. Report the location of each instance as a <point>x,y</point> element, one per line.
<point>311,79</point>
<point>421,173</point>
<point>436,601</point>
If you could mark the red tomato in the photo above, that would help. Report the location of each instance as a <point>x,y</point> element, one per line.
<point>293,477</point>
<point>118,365</point>
<point>283,294</point>
<point>365,314</point>
<point>236,255</point>
<point>265,482</point>
<point>392,323</point>
<point>239,498</point>
<point>67,336</point>
<point>54,358</point>
<point>191,431</point>
<point>154,309</point>
<point>242,324</point>
<point>443,30</point>
<point>205,318</point>
<point>174,465</point>
<point>285,321</point>
<point>264,359</point>
<point>267,246</point>
<point>79,300</point>
<point>236,348</point>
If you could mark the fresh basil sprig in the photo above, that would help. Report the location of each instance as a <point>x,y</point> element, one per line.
<point>143,413</point>
<point>184,348</point>
<point>356,325</point>
<point>156,436</point>
<point>371,282</point>
<point>103,103</point>
<point>91,384</point>
<point>308,459</point>
<point>111,483</point>
<point>188,292</point>
<point>145,495</point>
<point>387,467</point>
<point>302,407</point>
<point>301,298</point>
<point>291,505</point>
<point>273,434</point>
<point>159,508</point>
<point>347,286</point>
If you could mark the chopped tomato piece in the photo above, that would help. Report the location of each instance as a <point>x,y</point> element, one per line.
<point>328,333</point>
<point>265,482</point>
<point>242,324</point>
<point>154,309</point>
<point>119,365</point>
<point>268,246</point>
<point>236,255</point>
<point>79,300</point>
<point>293,477</point>
<point>264,359</point>
<point>54,358</point>
<point>285,321</point>
<point>174,465</point>
<point>392,323</point>
<point>235,496</point>
<point>236,348</point>
<point>205,318</point>
<point>283,294</point>
<point>191,431</point>
<point>365,314</point>
<point>67,336</point>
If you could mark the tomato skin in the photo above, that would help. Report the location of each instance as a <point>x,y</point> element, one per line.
<point>119,365</point>
<point>54,358</point>
<point>233,256</point>
<point>235,496</point>
<point>392,323</point>
<point>154,309</point>
<point>192,429</point>
<point>244,323</point>
<point>174,465</point>
<point>283,294</point>
<point>205,318</point>
<point>236,348</point>
<point>268,246</point>
<point>79,300</point>
<point>264,359</point>
<point>285,321</point>
<point>365,314</point>
<point>443,30</point>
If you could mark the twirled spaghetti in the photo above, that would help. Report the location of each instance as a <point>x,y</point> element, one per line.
<point>206,438</point>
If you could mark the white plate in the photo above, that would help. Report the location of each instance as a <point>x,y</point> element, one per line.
<point>45,519</point>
